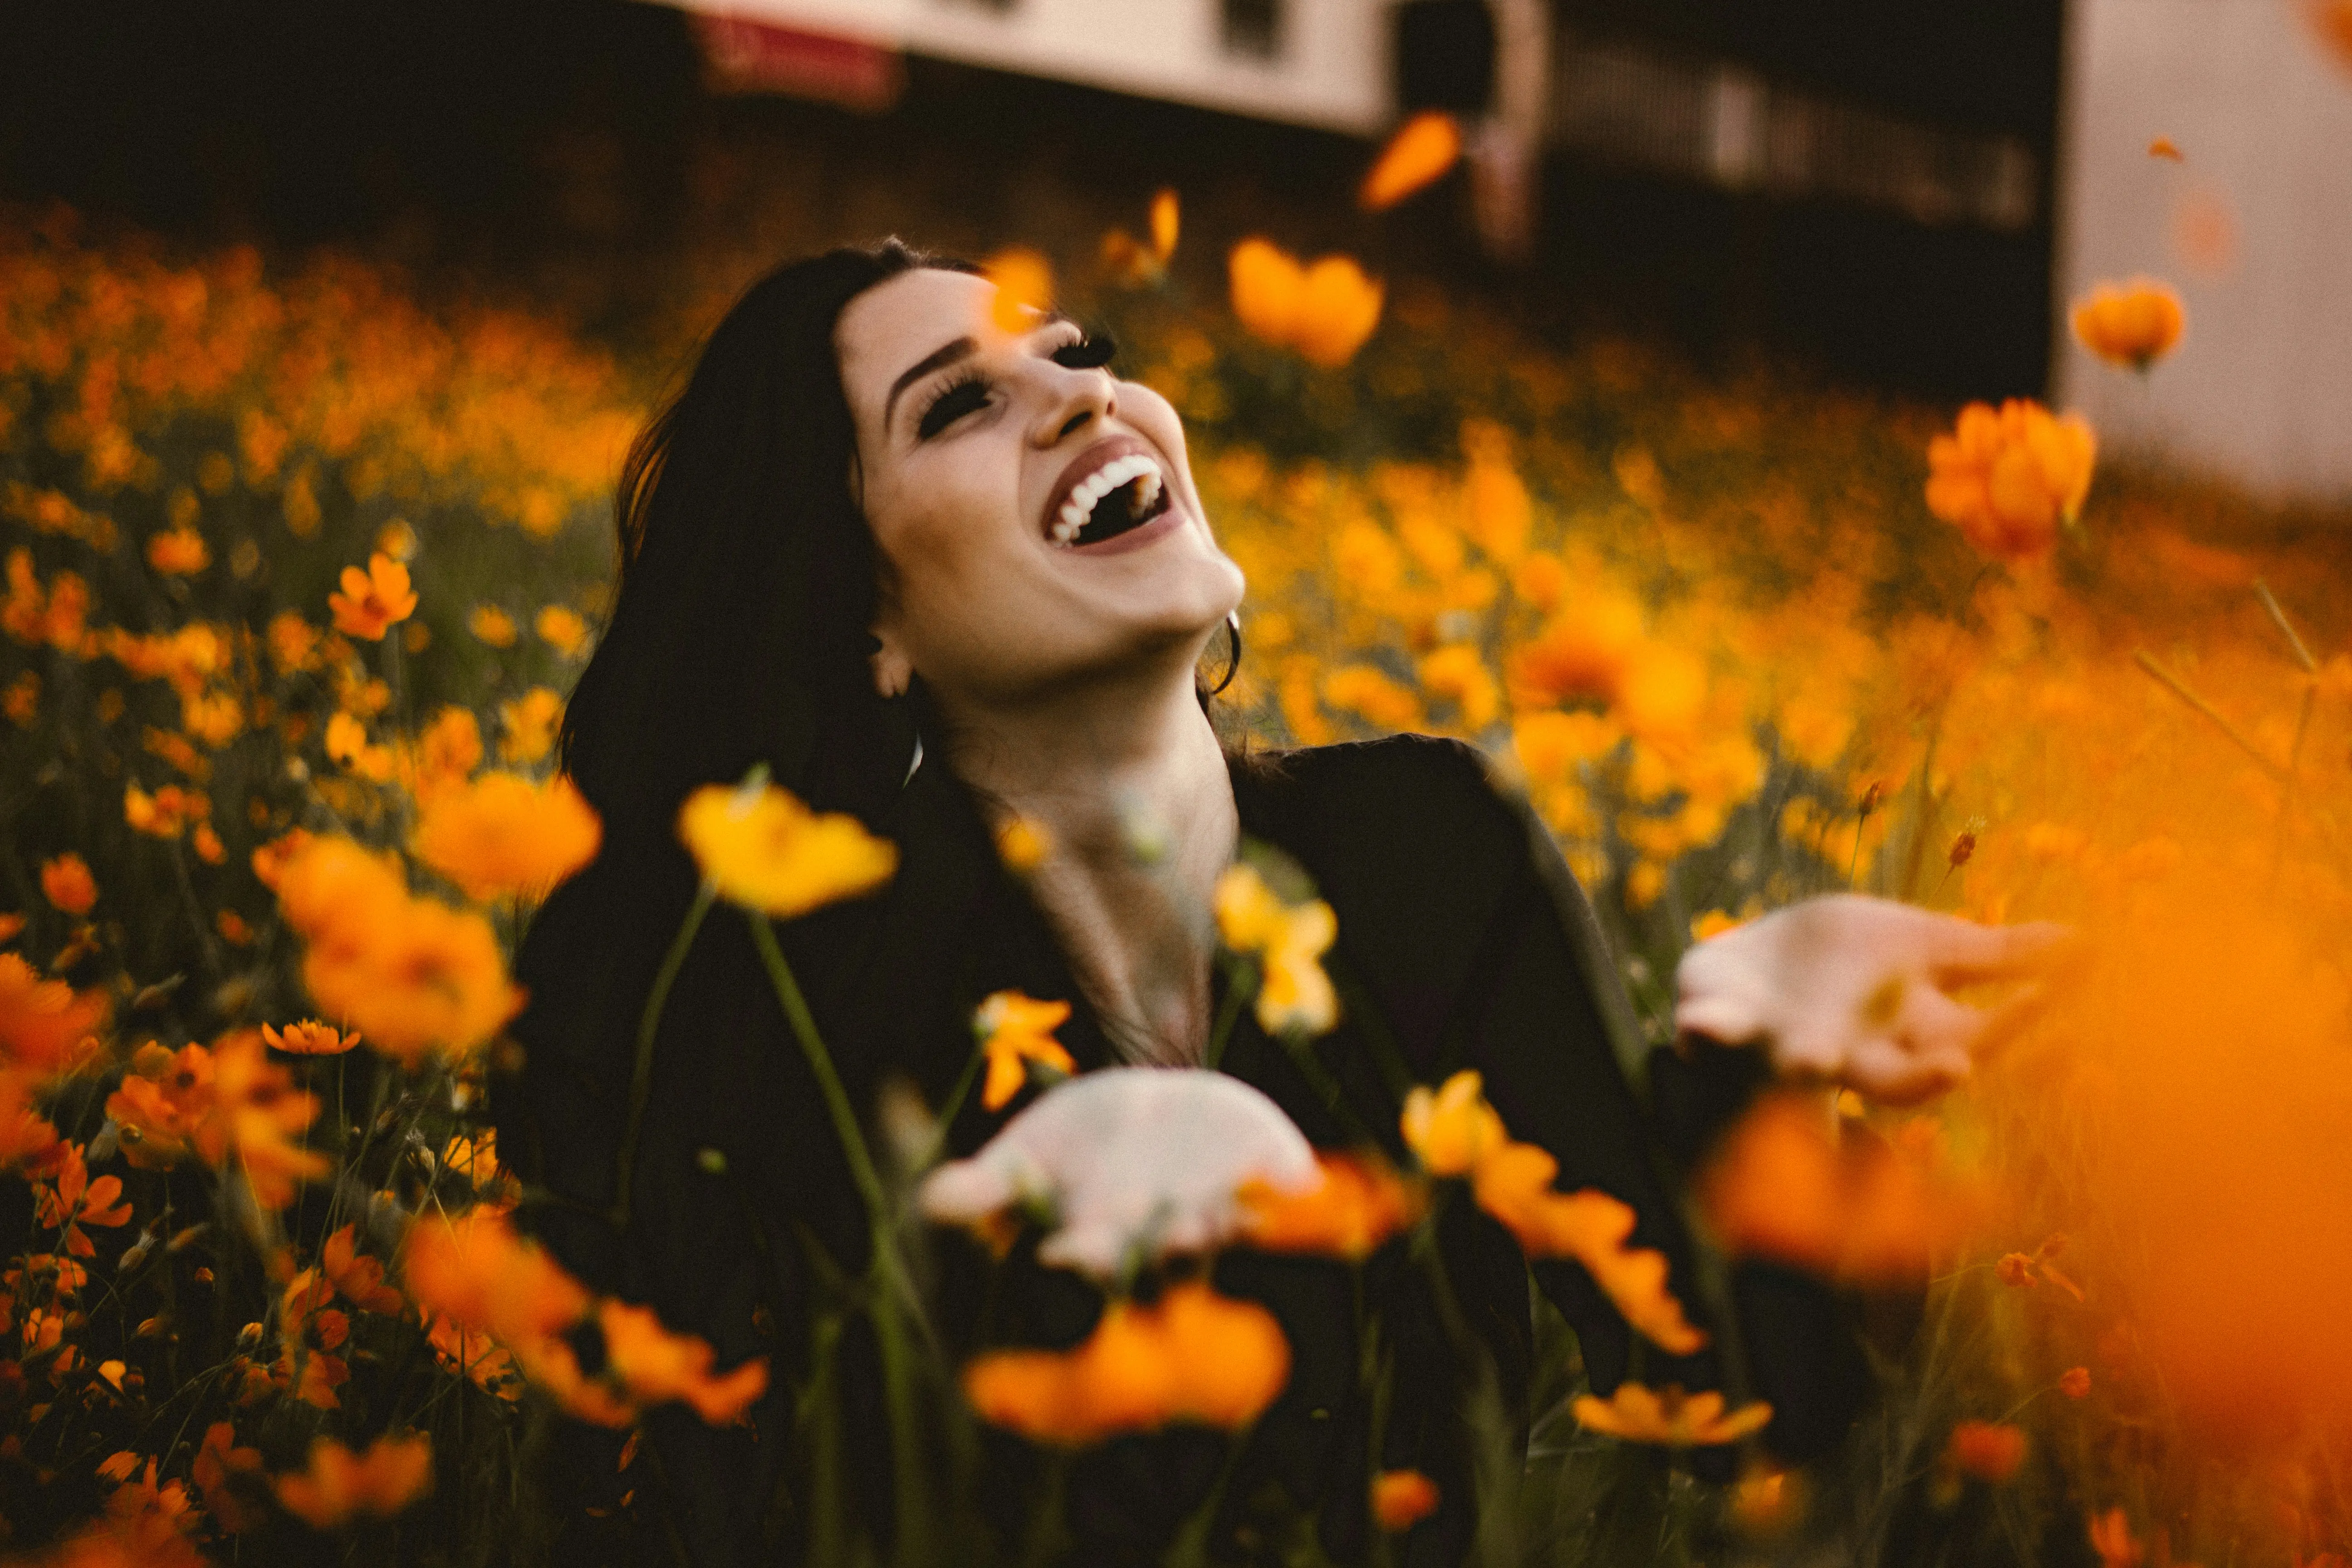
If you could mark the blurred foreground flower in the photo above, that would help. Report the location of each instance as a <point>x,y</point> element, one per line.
<point>412,975</point>
<point>502,835</point>
<point>1193,1356</point>
<point>1135,261</point>
<point>1422,149</point>
<point>340,1486</point>
<point>1359,1203</point>
<point>1288,941</point>
<point>1985,1450</point>
<point>1402,1498</point>
<point>1669,1417</point>
<point>42,1022</point>
<point>2133,324</point>
<point>1455,1132</point>
<point>2006,479</point>
<point>225,1102</point>
<point>1130,1162</point>
<point>763,849</point>
<point>1025,285</point>
<point>1325,312</point>
<point>1787,1185</point>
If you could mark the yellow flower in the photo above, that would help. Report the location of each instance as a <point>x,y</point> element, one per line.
<point>1016,1030</point>
<point>1022,844</point>
<point>2133,324</point>
<point>1669,1417</point>
<point>1452,1131</point>
<point>762,848</point>
<point>1294,992</point>
<point>1424,148</point>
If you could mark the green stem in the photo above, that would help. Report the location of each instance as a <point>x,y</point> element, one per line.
<point>910,1505</point>
<point>640,1077</point>
<point>1496,1471</point>
<point>950,1111</point>
<point>1228,1012</point>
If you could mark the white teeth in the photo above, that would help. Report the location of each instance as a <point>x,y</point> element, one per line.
<point>1089,491</point>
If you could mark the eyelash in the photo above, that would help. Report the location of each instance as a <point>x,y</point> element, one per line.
<point>1085,353</point>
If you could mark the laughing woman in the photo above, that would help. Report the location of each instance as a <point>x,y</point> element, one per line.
<point>943,573</point>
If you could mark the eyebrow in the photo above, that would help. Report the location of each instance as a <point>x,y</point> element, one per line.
<point>947,354</point>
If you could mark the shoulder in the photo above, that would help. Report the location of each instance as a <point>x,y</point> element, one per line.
<point>1408,834</point>
<point>1387,798</point>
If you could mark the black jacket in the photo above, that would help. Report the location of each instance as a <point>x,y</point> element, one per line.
<point>1462,942</point>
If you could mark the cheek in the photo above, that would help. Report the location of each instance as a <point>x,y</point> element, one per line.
<point>946,542</point>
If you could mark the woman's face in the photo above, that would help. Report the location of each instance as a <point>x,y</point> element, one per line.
<point>1035,515</point>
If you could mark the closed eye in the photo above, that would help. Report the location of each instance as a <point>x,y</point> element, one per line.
<point>1086,353</point>
<point>966,394</point>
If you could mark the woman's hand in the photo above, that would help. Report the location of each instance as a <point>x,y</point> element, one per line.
<point>1849,990</point>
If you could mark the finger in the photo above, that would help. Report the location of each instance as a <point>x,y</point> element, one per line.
<point>1890,1071</point>
<point>1724,1019</point>
<point>2011,1018</point>
<point>1961,951</point>
<point>963,1191</point>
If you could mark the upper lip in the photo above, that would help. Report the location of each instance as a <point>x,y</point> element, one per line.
<point>1108,450</point>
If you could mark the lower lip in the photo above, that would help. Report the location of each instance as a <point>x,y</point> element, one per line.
<point>1152,532</point>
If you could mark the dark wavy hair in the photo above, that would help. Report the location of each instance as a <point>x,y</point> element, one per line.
<point>747,575</point>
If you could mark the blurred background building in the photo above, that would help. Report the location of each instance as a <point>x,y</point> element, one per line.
<point>1902,194</point>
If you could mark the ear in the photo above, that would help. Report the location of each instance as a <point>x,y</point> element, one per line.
<point>893,670</point>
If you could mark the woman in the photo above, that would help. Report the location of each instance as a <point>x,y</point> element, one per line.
<point>943,570</point>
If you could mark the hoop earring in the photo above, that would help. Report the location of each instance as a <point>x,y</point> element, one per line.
<point>1233,647</point>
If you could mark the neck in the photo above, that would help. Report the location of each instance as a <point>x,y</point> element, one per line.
<point>1129,783</point>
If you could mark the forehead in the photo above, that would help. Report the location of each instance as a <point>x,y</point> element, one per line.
<point>899,321</point>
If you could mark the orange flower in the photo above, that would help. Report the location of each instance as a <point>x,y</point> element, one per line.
<point>67,883</point>
<point>70,1200</point>
<point>1289,941</point>
<point>309,1038</point>
<point>411,974</point>
<point>1514,1184</point>
<point>491,625</point>
<point>165,813</point>
<point>372,600</point>
<point>257,1118</point>
<point>339,1486</point>
<point>178,551</point>
<point>475,1271</point>
<point>2007,478</point>
<point>1359,1205</point>
<point>1585,651</point>
<point>561,628</point>
<point>1025,285</point>
<point>42,1022</point>
<point>530,722</point>
<point>2077,1381</point>
<point>2133,324</point>
<point>222,1472</point>
<point>445,754</point>
<point>655,1366</point>
<point>358,1277</point>
<point>26,1139</point>
<point>2163,147</point>
<point>1424,148</point>
<point>1014,1029</point>
<point>1785,1185</point>
<point>1452,1131</point>
<point>1022,844</point>
<point>1402,1498</point>
<point>2112,1539</point>
<point>1325,312</point>
<point>760,847</point>
<point>1669,1417</point>
<point>1192,1356</point>
<point>161,1102</point>
<point>503,834</point>
<point>1988,1450</point>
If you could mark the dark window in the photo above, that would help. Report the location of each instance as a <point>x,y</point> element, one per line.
<point>1253,27</point>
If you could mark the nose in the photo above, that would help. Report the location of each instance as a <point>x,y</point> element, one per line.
<point>1075,399</point>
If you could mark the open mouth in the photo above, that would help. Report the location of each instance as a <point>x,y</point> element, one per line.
<point>1121,496</point>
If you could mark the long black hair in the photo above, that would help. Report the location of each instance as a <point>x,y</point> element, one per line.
<point>739,634</point>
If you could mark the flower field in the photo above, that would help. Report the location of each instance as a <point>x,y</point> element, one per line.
<point>298,574</point>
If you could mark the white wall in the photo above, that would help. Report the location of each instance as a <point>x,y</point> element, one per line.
<point>1332,72</point>
<point>2254,228</point>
